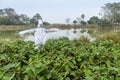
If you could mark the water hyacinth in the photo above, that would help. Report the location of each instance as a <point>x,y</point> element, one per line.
<point>60,59</point>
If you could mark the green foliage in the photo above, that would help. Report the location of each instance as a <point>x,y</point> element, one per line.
<point>8,16</point>
<point>83,23</point>
<point>4,20</point>
<point>104,23</point>
<point>46,23</point>
<point>75,22</point>
<point>93,20</point>
<point>111,12</point>
<point>60,59</point>
<point>109,36</point>
<point>35,18</point>
<point>82,16</point>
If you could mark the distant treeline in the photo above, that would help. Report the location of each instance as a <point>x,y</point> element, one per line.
<point>8,16</point>
<point>110,16</point>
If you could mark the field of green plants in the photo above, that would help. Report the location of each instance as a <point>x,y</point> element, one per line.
<point>60,59</point>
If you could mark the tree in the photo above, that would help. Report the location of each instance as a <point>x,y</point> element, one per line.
<point>83,23</point>
<point>11,15</point>
<point>1,12</point>
<point>46,23</point>
<point>104,23</point>
<point>4,20</point>
<point>24,19</point>
<point>68,20</point>
<point>111,11</point>
<point>93,20</point>
<point>75,22</point>
<point>81,20</point>
<point>35,18</point>
<point>8,16</point>
<point>117,19</point>
<point>82,16</point>
<point>78,19</point>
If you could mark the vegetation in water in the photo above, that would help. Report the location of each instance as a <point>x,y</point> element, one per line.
<point>60,59</point>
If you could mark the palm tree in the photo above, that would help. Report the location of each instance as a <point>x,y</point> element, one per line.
<point>82,16</point>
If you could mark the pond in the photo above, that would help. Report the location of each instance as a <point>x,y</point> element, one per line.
<point>8,35</point>
<point>70,33</point>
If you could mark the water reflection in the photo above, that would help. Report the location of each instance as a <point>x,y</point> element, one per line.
<point>8,35</point>
<point>71,34</point>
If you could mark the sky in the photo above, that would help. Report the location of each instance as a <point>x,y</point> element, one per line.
<point>56,11</point>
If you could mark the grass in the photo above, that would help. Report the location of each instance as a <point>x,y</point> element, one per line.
<point>15,27</point>
<point>84,39</point>
<point>108,36</point>
<point>6,36</point>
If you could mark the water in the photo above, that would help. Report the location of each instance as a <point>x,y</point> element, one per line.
<point>9,35</point>
<point>71,34</point>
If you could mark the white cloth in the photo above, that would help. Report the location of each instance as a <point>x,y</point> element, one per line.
<point>40,36</point>
<point>39,33</point>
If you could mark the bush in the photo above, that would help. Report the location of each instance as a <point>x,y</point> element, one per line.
<point>104,23</point>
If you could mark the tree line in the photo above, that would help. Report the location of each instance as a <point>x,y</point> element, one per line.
<point>8,16</point>
<point>110,16</point>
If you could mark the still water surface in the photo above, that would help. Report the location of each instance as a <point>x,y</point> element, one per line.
<point>70,33</point>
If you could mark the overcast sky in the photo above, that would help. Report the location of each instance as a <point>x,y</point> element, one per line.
<point>56,11</point>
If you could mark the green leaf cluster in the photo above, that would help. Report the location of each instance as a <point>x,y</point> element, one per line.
<point>60,59</point>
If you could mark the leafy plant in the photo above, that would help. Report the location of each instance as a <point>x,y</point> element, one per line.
<point>60,59</point>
